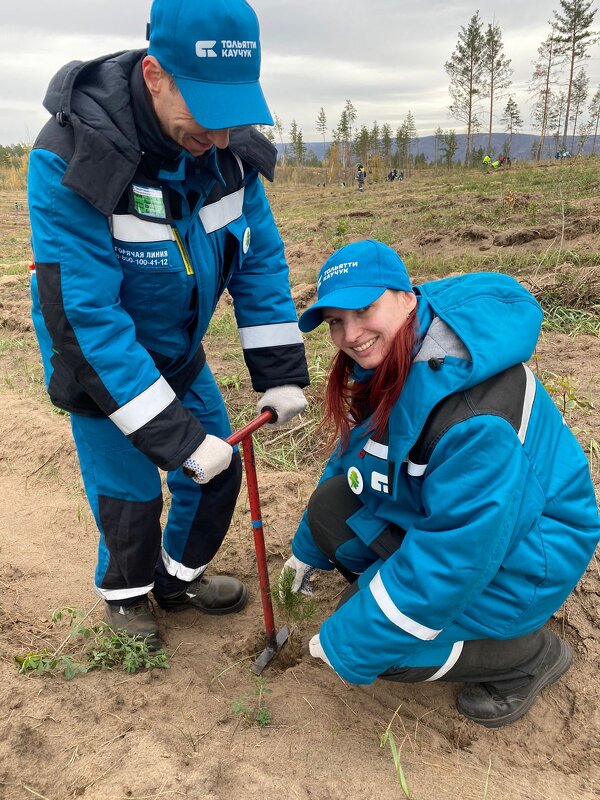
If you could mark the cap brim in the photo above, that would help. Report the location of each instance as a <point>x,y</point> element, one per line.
<point>225,105</point>
<point>348,298</point>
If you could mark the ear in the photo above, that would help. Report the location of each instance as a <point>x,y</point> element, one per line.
<point>153,75</point>
<point>408,301</point>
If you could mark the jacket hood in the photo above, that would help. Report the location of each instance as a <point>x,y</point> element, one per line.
<point>487,319</point>
<point>473,326</point>
<point>94,99</point>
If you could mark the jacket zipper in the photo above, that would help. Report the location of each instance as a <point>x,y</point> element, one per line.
<point>189,269</point>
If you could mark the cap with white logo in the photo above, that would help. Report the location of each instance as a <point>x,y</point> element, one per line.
<point>212,49</point>
<point>354,277</point>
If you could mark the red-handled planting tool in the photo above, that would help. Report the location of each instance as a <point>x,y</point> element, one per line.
<point>275,640</point>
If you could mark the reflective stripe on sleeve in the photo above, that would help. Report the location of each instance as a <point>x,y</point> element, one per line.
<point>530,389</point>
<point>385,603</point>
<point>143,408</point>
<point>449,663</point>
<point>129,228</point>
<point>416,470</point>
<point>178,570</point>
<point>270,335</point>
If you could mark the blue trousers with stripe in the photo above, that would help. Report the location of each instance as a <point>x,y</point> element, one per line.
<point>124,490</point>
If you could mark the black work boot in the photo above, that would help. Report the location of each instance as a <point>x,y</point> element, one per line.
<point>220,594</point>
<point>136,620</point>
<point>499,703</point>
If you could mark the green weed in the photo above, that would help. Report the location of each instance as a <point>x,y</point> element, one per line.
<point>94,647</point>
<point>564,393</point>
<point>252,708</point>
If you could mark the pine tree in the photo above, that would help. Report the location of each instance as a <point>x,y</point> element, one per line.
<point>297,141</point>
<point>594,112</point>
<point>541,83</point>
<point>362,145</point>
<point>401,145</point>
<point>574,38</point>
<point>466,71</point>
<point>279,131</point>
<point>386,145</point>
<point>322,127</point>
<point>411,135</point>
<point>344,132</point>
<point>581,84</point>
<point>512,120</point>
<point>437,140</point>
<point>449,146</point>
<point>497,70</point>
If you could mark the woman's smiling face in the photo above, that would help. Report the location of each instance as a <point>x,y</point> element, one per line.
<point>366,334</point>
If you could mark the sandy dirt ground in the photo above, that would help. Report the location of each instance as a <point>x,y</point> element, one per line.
<point>172,733</point>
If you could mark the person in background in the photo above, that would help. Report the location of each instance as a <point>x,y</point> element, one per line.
<point>360,177</point>
<point>146,204</point>
<point>457,503</point>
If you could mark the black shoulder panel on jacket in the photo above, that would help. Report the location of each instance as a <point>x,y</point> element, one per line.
<point>502,395</point>
<point>253,147</point>
<point>57,139</point>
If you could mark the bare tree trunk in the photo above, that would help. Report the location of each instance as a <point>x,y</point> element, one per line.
<point>569,91</point>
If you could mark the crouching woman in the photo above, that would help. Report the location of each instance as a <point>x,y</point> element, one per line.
<point>457,503</point>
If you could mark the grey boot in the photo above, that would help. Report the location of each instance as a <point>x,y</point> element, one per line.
<point>135,620</point>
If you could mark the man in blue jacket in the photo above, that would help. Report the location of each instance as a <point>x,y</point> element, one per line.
<point>146,203</point>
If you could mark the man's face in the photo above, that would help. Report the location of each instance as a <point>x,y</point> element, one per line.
<point>175,118</point>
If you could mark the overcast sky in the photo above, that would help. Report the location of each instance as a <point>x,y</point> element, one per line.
<point>386,56</point>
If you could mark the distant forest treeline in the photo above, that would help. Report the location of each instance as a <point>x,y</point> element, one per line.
<point>565,109</point>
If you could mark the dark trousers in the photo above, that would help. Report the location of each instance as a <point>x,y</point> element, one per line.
<point>481,660</point>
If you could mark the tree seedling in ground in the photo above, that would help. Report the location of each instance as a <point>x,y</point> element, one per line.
<point>252,708</point>
<point>93,647</point>
<point>564,393</point>
<point>295,608</point>
<point>387,737</point>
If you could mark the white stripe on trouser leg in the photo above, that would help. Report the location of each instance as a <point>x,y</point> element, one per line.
<point>178,570</point>
<point>392,612</point>
<point>275,335</point>
<point>123,594</point>
<point>449,663</point>
<point>143,408</point>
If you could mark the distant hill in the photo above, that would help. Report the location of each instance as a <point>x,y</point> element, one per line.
<point>520,148</point>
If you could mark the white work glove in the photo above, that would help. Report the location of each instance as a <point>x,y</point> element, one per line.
<point>302,575</point>
<point>287,401</point>
<point>317,651</point>
<point>211,458</point>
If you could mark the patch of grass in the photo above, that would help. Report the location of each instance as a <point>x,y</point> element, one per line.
<point>573,321</point>
<point>92,647</point>
<point>9,344</point>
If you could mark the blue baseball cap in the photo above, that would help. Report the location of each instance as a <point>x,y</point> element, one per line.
<point>212,50</point>
<point>353,277</point>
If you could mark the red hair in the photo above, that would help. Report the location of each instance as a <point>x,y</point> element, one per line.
<point>349,402</point>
